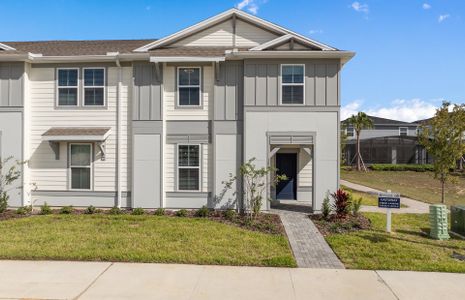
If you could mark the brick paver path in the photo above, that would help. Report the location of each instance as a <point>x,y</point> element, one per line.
<point>308,245</point>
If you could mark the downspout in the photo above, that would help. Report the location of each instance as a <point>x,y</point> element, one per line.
<point>118,130</point>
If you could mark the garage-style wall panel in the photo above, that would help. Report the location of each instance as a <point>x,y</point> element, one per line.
<point>11,84</point>
<point>147,102</point>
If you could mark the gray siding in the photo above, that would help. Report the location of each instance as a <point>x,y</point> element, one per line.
<point>11,84</point>
<point>228,91</point>
<point>147,95</point>
<point>262,81</point>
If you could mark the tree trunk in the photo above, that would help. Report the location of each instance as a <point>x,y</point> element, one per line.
<point>359,167</point>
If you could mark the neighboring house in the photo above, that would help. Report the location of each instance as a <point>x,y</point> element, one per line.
<point>162,123</point>
<point>388,142</point>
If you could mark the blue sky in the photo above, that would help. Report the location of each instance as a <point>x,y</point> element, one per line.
<point>410,53</point>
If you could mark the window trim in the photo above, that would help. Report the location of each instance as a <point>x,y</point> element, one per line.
<point>178,105</point>
<point>199,167</point>
<point>57,88</point>
<point>281,84</point>
<point>400,131</point>
<point>350,129</point>
<point>91,167</point>
<point>94,86</point>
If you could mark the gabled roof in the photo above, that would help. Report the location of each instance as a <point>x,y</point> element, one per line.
<point>6,47</point>
<point>384,121</point>
<point>231,13</point>
<point>283,39</point>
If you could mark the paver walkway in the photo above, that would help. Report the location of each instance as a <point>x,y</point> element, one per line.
<point>308,245</point>
<point>106,280</point>
<point>414,206</point>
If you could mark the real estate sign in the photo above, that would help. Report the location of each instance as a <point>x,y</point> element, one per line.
<point>389,200</point>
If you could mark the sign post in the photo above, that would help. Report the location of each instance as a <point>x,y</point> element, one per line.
<point>388,200</point>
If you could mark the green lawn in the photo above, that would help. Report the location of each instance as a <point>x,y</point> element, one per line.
<point>140,239</point>
<point>367,199</point>
<point>416,185</point>
<point>407,248</point>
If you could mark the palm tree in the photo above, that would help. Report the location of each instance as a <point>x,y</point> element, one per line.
<point>359,122</point>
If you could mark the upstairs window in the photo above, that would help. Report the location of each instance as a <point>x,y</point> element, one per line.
<point>189,87</point>
<point>403,131</point>
<point>292,84</point>
<point>94,86</point>
<point>189,167</point>
<point>67,87</point>
<point>350,132</point>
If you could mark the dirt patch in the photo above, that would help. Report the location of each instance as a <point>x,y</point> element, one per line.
<point>11,214</point>
<point>335,225</point>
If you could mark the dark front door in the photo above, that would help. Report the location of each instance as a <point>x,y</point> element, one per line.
<point>286,163</point>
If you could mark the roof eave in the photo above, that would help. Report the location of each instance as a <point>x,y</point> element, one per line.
<point>344,56</point>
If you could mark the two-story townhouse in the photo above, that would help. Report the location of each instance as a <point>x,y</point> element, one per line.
<point>163,123</point>
<point>387,142</point>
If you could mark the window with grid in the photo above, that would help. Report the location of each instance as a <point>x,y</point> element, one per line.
<point>189,87</point>
<point>80,166</point>
<point>188,167</point>
<point>403,131</point>
<point>94,86</point>
<point>67,80</point>
<point>292,84</point>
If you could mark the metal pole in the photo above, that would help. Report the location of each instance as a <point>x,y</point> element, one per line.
<point>388,218</point>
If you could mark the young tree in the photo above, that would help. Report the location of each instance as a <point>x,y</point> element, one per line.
<point>442,137</point>
<point>254,181</point>
<point>359,122</point>
<point>7,177</point>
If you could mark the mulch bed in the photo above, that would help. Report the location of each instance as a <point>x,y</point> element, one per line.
<point>10,214</point>
<point>340,225</point>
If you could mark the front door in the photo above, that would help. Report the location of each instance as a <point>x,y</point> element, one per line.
<point>286,163</point>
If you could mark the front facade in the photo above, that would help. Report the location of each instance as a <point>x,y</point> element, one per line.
<point>163,123</point>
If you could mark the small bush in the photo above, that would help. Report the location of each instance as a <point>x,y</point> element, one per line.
<point>24,210</point>
<point>45,209</point>
<point>230,214</point>
<point>159,212</point>
<point>3,201</point>
<point>356,205</point>
<point>326,208</point>
<point>90,210</point>
<point>203,212</point>
<point>138,211</point>
<point>402,167</point>
<point>341,204</point>
<point>115,210</point>
<point>182,213</point>
<point>66,210</point>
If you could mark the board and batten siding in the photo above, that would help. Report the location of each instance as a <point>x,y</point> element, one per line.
<point>229,91</point>
<point>147,93</point>
<point>262,82</point>
<point>247,35</point>
<point>46,172</point>
<point>11,84</point>
<point>170,161</point>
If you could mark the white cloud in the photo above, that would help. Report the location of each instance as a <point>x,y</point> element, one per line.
<point>250,5</point>
<point>426,6</point>
<point>400,109</point>
<point>359,7</point>
<point>315,31</point>
<point>442,18</point>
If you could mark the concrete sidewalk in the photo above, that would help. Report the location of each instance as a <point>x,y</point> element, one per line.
<point>94,280</point>
<point>414,206</point>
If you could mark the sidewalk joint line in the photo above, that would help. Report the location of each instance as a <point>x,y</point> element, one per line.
<point>93,281</point>
<point>387,285</point>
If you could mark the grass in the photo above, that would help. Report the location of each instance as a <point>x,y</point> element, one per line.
<point>145,238</point>
<point>367,199</point>
<point>407,248</point>
<point>421,186</point>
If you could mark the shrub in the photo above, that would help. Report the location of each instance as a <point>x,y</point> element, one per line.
<point>326,207</point>
<point>3,201</point>
<point>138,211</point>
<point>341,204</point>
<point>356,205</point>
<point>45,209</point>
<point>24,210</point>
<point>115,210</point>
<point>203,212</point>
<point>182,213</point>
<point>66,210</point>
<point>402,167</point>
<point>230,214</point>
<point>90,210</point>
<point>159,212</point>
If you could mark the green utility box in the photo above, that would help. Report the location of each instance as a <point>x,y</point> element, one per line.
<point>438,222</point>
<point>457,219</point>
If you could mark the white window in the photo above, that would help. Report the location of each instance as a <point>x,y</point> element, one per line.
<point>189,91</point>
<point>94,86</point>
<point>67,85</point>
<point>189,167</point>
<point>292,84</point>
<point>403,131</point>
<point>80,164</point>
<point>350,132</point>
